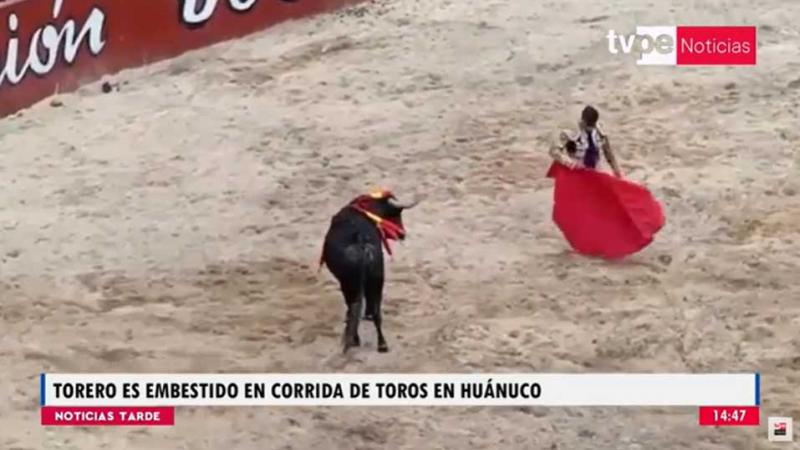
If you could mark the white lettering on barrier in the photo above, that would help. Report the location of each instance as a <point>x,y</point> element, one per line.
<point>48,40</point>
<point>198,12</point>
<point>242,5</point>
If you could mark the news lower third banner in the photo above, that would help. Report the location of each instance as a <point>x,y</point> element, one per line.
<point>150,399</point>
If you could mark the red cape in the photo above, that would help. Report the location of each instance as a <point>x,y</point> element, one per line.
<point>601,215</point>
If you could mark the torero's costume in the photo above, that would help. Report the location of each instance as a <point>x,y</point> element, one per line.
<point>599,214</point>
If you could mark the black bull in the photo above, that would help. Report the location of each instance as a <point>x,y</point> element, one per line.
<point>352,252</point>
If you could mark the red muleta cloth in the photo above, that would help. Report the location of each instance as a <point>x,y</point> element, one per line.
<point>601,215</point>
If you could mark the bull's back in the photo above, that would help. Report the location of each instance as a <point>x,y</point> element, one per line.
<point>352,245</point>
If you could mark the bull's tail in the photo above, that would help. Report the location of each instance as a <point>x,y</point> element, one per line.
<point>362,272</point>
<point>367,258</point>
<point>321,258</point>
<point>356,311</point>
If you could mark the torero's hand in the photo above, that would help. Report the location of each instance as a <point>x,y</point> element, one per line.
<point>569,162</point>
<point>563,137</point>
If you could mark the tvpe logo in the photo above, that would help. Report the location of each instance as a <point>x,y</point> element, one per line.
<point>655,45</point>
<point>671,45</point>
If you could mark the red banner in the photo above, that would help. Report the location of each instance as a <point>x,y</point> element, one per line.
<point>54,46</point>
<point>87,416</point>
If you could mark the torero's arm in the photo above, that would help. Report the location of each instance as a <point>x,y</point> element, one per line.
<point>559,153</point>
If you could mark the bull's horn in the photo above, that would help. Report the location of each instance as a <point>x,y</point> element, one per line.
<point>400,205</point>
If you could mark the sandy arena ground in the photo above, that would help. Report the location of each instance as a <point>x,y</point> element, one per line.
<point>175,225</point>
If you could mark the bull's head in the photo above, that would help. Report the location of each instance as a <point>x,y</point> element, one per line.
<point>387,207</point>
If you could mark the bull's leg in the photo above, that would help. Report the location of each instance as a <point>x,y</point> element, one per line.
<point>354,303</point>
<point>374,295</point>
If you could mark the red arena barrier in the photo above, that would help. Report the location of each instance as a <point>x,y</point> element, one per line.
<point>54,46</point>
